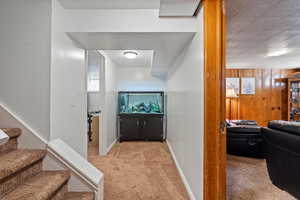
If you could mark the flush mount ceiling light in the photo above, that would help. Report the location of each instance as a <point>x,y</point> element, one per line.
<point>130,54</point>
<point>280,52</point>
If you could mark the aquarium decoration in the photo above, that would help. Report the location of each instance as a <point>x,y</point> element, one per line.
<point>141,102</point>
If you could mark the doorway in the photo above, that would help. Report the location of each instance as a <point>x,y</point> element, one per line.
<point>95,102</point>
<point>262,98</point>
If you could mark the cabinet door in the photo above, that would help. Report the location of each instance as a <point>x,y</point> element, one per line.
<point>152,128</point>
<point>129,128</point>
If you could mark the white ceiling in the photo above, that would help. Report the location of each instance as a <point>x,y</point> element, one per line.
<point>260,29</point>
<point>166,46</point>
<point>167,7</point>
<point>110,4</point>
<point>144,58</point>
<point>178,7</point>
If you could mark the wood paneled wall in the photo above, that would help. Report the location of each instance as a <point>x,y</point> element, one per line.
<point>270,99</point>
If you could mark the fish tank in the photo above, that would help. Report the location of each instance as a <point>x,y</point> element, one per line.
<point>141,102</point>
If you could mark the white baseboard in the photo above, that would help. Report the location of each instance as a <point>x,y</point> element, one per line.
<point>184,180</point>
<point>110,147</point>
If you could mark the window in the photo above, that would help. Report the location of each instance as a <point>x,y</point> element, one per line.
<point>93,72</point>
<point>93,85</point>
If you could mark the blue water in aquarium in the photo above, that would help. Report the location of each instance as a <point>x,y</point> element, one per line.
<point>144,103</point>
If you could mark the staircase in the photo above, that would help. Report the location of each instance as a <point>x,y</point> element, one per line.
<point>22,177</point>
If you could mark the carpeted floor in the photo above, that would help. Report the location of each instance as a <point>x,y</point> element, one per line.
<point>248,179</point>
<point>139,171</point>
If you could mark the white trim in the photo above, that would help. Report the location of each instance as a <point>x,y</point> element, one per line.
<point>16,117</point>
<point>184,180</point>
<point>78,166</point>
<point>111,146</point>
<point>74,170</point>
<point>75,161</point>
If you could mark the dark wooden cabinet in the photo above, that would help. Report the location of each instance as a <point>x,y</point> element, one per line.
<point>129,128</point>
<point>141,127</point>
<point>294,99</point>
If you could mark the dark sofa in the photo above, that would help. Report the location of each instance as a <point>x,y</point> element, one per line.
<point>282,153</point>
<point>244,138</point>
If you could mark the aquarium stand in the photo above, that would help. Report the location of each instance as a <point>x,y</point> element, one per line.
<point>141,127</point>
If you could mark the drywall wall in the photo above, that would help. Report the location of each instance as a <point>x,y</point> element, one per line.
<point>94,101</point>
<point>25,56</point>
<point>138,79</point>
<point>185,106</point>
<point>109,113</point>
<point>29,139</point>
<point>95,71</point>
<point>68,87</point>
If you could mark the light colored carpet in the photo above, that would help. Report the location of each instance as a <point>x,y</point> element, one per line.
<point>248,179</point>
<point>139,171</point>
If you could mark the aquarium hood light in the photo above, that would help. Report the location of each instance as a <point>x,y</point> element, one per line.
<point>130,54</point>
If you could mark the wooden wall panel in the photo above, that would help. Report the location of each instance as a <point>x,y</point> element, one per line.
<point>266,94</point>
<point>249,102</point>
<point>270,100</point>
<point>232,113</point>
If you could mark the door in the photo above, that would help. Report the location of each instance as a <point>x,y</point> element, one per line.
<point>129,128</point>
<point>152,128</point>
<point>276,95</point>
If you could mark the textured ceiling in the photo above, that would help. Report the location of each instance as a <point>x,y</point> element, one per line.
<point>144,58</point>
<point>263,33</point>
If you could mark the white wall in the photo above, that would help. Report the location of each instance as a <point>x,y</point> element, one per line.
<point>29,139</point>
<point>25,52</point>
<point>185,105</point>
<point>94,101</point>
<point>68,87</point>
<point>95,66</point>
<point>138,79</point>
<point>109,111</point>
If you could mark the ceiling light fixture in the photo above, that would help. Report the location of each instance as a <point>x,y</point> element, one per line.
<point>280,52</point>
<point>130,54</point>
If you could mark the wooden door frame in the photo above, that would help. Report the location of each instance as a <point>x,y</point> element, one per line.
<point>214,78</point>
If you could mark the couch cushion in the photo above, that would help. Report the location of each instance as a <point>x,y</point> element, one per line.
<point>244,129</point>
<point>286,126</point>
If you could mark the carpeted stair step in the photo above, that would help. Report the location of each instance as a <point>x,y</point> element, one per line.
<point>17,160</point>
<point>44,186</point>
<point>12,132</point>
<point>79,196</point>
<point>12,144</point>
<point>17,166</point>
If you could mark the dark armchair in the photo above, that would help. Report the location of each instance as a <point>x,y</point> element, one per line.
<point>244,138</point>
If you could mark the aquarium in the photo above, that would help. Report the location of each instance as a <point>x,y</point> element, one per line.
<point>141,102</point>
